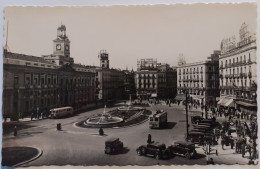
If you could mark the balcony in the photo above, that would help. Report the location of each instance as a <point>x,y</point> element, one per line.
<point>243,75</point>
<point>229,76</point>
<point>250,74</point>
<point>236,75</point>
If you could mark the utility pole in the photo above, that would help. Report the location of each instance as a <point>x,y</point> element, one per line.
<point>187,122</point>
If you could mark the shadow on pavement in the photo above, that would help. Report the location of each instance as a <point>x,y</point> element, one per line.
<point>15,155</point>
<point>123,151</point>
<point>9,127</point>
<point>199,156</point>
<point>169,125</point>
<point>28,133</point>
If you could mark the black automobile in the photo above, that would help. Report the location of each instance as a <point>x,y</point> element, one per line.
<point>199,137</point>
<point>213,124</point>
<point>227,140</point>
<point>183,148</point>
<point>154,149</point>
<point>113,145</point>
<point>196,119</point>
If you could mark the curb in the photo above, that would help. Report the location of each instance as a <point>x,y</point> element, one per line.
<point>111,128</point>
<point>32,159</point>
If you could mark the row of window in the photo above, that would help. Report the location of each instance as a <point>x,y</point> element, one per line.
<point>238,82</point>
<point>191,70</point>
<point>236,60</point>
<point>237,70</point>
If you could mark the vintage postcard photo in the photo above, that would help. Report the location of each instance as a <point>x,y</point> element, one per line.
<point>130,85</point>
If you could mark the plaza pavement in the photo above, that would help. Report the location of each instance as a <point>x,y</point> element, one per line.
<point>81,146</point>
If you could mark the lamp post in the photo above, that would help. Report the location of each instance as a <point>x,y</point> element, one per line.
<point>186,107</point>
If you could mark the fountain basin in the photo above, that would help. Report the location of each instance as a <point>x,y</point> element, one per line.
<point>127,108</point>
<point>104,121</point>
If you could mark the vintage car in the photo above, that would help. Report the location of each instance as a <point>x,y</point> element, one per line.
<point>200,137</point>
<point>227,140</point>
<point>211,123</point>
<point>196,119</point>
<point>113,145</point>
<point>183,148</point>
<point>155,149</point>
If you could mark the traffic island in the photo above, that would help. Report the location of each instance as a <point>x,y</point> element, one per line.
<point>129,118</point>
<point>16,156</point>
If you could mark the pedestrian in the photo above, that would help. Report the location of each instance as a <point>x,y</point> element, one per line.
<point>232,144</point>
<point>32,116</point>
<point>101,131</point>
<point>211,161</point>
<point>243,149</point>
<point>15,131</point>
<point>254,149</point>
<point>149,140</point>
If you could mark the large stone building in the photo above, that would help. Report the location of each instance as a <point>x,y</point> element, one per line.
<point>155,80</point>
<point>129,84</point>
<point>40,83</point>
<point>200,80</point>
<point>110,82</point>
<point>238,72</point>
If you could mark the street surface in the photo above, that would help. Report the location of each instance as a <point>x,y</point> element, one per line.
<point>83,146</point>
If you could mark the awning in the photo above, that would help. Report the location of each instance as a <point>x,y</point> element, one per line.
<point>230,103</point>
<point>196,97</point>
<point>226,102</point>
<point>246,104</point>
<point>220,101</point>
<point>180,97</point>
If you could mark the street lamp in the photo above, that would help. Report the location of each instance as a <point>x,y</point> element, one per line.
<point>186,107</point>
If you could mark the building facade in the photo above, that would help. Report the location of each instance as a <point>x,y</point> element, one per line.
<point>154,80</point>
<point>200,80</point>
<point>129,84</point>
<point>36,84</point>
<point>238,72</point>
<point>109,81</point>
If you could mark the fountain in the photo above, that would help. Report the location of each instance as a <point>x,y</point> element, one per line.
<point>104,119</point>
<point>129,107</point>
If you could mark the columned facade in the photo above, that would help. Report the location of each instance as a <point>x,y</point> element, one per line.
<point>238,72</point>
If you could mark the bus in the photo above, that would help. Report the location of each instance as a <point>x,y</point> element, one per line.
<point>158,119</point>
<point>61,112</point>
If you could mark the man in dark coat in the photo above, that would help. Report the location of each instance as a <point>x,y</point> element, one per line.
<point>149,140</point>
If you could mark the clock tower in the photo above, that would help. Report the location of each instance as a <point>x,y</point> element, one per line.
<point>61,47</point>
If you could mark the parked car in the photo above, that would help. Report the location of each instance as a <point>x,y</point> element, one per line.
<point>227,140</point>
<point>183,148</point>
<point>113,145</point>
<point>155,149</point>
<point>200,137</point>
<point>196,119</point>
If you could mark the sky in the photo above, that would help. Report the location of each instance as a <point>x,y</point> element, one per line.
<point>129,33</point>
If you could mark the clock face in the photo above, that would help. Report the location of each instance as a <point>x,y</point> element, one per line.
<point>58,46</point>
<point>67,47</point>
